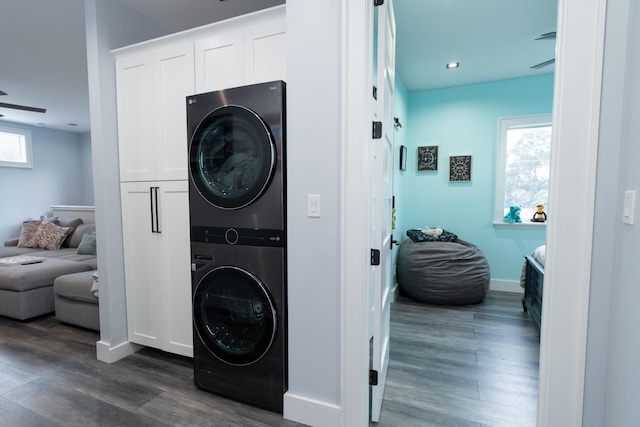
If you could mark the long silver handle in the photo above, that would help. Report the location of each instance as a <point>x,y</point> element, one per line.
<point>157,216</point>
<point>151,199</point>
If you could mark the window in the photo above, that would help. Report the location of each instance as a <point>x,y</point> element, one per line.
<point>15,148</point>
<point>524,155</point>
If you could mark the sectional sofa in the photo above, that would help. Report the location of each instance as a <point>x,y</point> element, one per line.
<point>58,251</point>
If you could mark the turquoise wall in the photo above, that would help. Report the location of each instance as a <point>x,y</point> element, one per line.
<point>463,120</point>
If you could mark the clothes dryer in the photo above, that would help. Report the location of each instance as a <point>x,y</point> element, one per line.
<point>237,156</point>
<point>239,318</point>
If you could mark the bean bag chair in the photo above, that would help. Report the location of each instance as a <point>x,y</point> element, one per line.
<point>447,273</point>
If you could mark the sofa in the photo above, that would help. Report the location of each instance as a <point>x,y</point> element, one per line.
<point>46,251</point>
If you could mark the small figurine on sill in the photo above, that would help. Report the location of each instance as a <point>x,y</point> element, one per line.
<point>513,215</point>
<point>539,215</point>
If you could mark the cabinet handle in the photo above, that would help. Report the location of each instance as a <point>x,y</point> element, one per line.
<point>151,199</point>
<point>157,216</point>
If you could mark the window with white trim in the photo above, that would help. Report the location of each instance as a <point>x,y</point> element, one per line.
<point>524,157</point>
<point>15,148</point>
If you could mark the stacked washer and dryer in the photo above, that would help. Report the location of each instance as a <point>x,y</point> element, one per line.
<point>238,235</point>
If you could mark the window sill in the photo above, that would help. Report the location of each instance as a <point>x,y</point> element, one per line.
<point>520,225</point>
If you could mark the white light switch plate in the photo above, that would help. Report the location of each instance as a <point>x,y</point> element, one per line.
<point>313,205</point>
<point>629,208</point>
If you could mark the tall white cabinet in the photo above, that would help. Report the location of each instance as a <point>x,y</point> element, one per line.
<point>153,80</point>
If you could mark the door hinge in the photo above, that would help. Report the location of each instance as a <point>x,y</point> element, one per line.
<point>373,377</point>
<point>377,130</point>
<point>375,257</point>
<point>377,3</point>
<point>375,93</point>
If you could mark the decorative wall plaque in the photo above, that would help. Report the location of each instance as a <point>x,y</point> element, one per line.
<point>428,158</point>
<point>460,168</point>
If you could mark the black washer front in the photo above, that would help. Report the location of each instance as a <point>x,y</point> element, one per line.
<point>232,157</point>
<point>234,315</point>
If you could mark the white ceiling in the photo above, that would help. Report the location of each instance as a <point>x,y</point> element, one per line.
<point>43,54</point>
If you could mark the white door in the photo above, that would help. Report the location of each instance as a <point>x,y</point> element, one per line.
<point>142,275</point>
<point>382,204</point>
<point>173,263</point>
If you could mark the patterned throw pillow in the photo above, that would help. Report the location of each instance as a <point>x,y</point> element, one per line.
<point>50,236</point>
<point>29,229</point>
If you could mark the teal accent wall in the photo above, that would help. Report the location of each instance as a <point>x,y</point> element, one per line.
<point>400,110</point>
<point>463,120</point>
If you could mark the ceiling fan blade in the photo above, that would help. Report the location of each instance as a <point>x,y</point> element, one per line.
<point>23,107</point>
<point>2,93</point>
<point>547,36</point>
<point>543,64</point>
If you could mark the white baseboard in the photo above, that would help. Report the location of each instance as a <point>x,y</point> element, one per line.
<point>310,411</point>
<point>512,286</point>
<point>108,354</point>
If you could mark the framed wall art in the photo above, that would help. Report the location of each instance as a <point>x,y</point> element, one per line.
<point>428,158</point>
<point>460,169</point>
<point>403,158</point>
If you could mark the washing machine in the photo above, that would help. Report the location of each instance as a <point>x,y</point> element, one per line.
<point>238,242</point>
<point>239,318</point>
<point>236,157</point>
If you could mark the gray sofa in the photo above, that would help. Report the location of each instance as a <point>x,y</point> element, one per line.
<point>27,290</point>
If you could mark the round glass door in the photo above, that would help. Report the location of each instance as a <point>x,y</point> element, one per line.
<point>234,315</point>
<point>232,157</point>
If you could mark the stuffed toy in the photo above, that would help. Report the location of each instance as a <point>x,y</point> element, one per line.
<point>433,232</point>
<point>539,215</point>
<point>513,215</point>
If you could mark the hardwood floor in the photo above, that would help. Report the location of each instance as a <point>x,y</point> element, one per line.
<point>474,365</point>
<point>49,376</point>
<point>450,366</point>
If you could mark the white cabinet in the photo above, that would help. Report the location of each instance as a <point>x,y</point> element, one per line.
<point>153,80</point>
<point>155,221</point>
<point>152,87</point>
<point>241,52</point>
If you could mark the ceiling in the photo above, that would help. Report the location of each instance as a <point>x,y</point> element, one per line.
<point>44,53</point>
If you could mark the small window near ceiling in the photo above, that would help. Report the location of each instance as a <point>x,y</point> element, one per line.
<point>15,148</point>
<point>524,158</point>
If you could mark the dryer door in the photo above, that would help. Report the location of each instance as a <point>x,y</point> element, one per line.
<point>232,157</point>
<point>234,315</point>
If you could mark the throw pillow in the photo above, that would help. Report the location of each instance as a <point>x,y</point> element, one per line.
<point>73,224</point>
<point>88,245</point>
<point>29,228</point>
<point>28,232</point>
<point>50,236</point>
<point>81,230</point>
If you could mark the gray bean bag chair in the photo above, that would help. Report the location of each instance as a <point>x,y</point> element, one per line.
<point>447,273</point>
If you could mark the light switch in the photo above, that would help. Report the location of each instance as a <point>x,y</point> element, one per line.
<point>313,205</point>
<point>629,208</point>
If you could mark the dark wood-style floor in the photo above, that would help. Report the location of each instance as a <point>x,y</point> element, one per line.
<point>474,365</point>
<point>450,366</point>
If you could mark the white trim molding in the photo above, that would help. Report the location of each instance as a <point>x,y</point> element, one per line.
<point>576,119</point>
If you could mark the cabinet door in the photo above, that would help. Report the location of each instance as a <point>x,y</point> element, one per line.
<point>218,61</point>
<point>265,50</point>
<point>174,266</point>
<point>173,82</point>
<point>136,144</point>
<point>141,261</point>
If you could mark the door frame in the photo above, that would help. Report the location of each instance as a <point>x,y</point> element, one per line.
<point>577,95</point>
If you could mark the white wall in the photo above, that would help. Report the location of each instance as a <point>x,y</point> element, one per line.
<point>58,177</point>
<point>109,25</point>
<point>314,167</point>
<point>622,389</point>
<point>606,212</point>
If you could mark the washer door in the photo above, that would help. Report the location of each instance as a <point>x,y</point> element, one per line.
<point>234,315</point>
<point>232,157</point>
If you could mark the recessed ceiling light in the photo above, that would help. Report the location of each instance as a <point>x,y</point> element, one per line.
<point>453,65</point>
<point>39,124</point>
